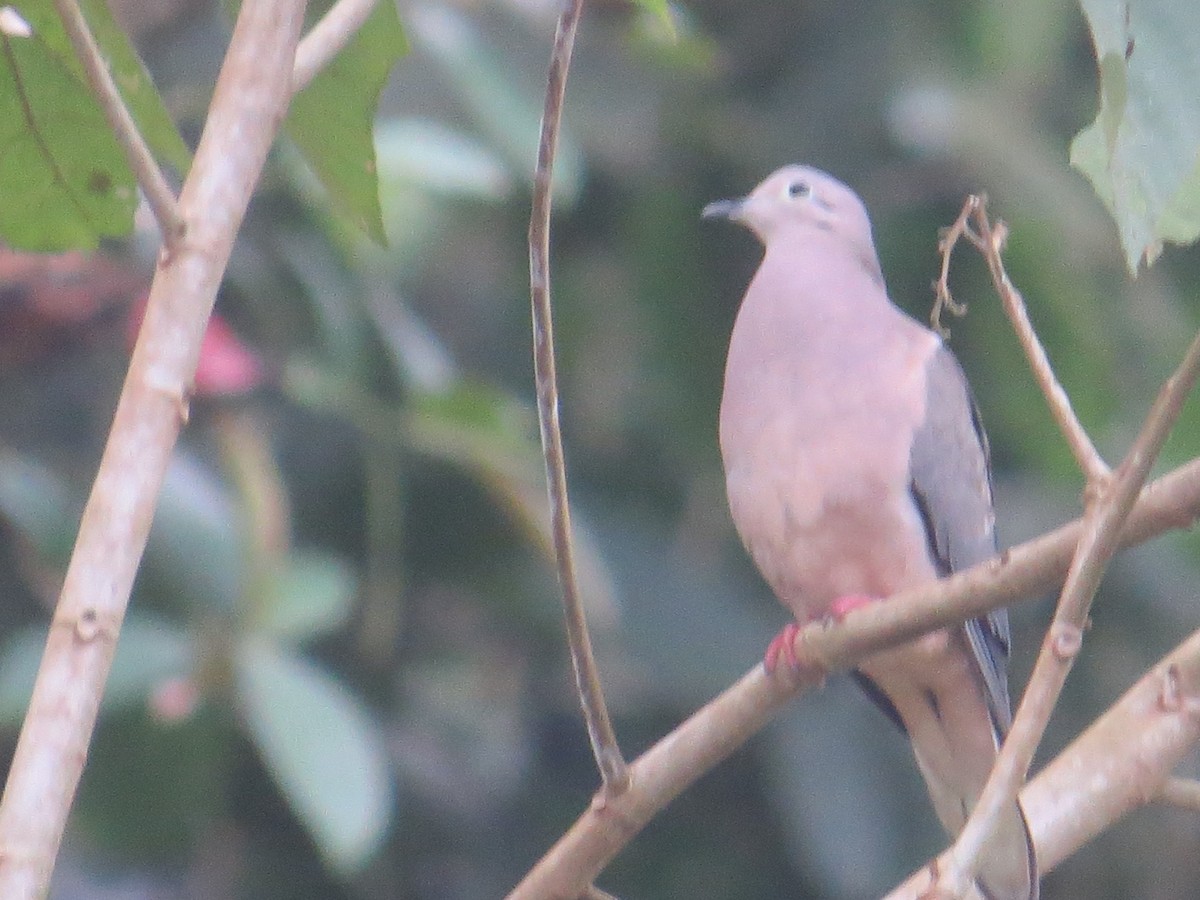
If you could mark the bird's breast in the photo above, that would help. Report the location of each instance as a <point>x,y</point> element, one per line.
<point>817,476</point>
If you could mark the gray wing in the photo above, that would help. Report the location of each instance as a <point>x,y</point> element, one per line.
<point>951,487</point>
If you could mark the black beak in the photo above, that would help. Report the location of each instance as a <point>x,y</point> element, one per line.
<point>722,209</point>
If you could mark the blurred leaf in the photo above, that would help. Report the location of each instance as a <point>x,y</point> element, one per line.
<point>332,119</point>
<point>37,503</point>
<point>136,87</point>
<point>63,176</point>
<point>323,748</point>
<point>674,38</point>
<point>1020,40</point>
<point>512,119</point>
<point>149,652</point>
<point>310,596</point>
<point>1180,218</point>
<point>660,8</point>
<point>153,791</point>
<point>1141,152</point>
<point>490,414</point>
<point>495,436</point>
<point>433,156</point>
<point>195,554</point>
<point>492,436</point>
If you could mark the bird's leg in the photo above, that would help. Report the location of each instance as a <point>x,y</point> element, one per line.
<point>783,644</point>
<point>843,606</point>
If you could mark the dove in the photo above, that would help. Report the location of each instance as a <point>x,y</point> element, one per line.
<point>856,466</point>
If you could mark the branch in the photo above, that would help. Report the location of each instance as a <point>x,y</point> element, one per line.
<point>716,730</point>
<point>1064,637</point>
<point>587,679</point>
<point>1181,792</point>
<point>989,242</point>
<point>1118,764</point>
<point>137,154</point>
<point>328,38</point>
<point>250,100</point>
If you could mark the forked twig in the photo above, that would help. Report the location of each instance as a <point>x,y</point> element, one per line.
<point>1181,792</point>
<point>158,193</point>
<point>973,224</point>
<point>591,694</point>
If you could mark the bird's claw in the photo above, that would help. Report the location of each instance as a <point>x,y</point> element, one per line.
<point>843,606</point>
<point>782,645</point>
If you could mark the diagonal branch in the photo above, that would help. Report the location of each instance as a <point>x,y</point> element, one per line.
<point>1117,765</point>
<point>587,678</point>
<point>248,104</point>
<point>158,193</point>
<point>716,730</point>
<point>1181,792</point>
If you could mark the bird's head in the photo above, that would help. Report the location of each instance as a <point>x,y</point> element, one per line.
<point>796,200</point>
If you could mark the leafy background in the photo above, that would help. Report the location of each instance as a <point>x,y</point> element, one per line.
<point>343,674</point>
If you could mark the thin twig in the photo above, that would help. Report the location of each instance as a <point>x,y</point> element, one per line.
<point>1064,638</point>
<point>1181,792</point>
<point>727,722</point>
<point>158,193</point>
<point>989,241</point>
<point>248,104</point>
<point>327,38</point>
<point>947,240</point>
<point>591,694</point>
<point>1116,766</point>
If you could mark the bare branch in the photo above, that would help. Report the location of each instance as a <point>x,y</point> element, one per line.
<point>1064,638</point>
<point>328,38</point>
<point>1182,792</point>
<point>158,193</point>
<point>715,731</point>
<point>1126,755</point>
<point>587,678</point>
<point>989,241</point>
<point>250,100</point>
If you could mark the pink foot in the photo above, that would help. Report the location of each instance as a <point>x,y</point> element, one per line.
<point>783,644</point>
<point>843,606</point>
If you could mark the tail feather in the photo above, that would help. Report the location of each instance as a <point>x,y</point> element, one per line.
<point>1008,869</point>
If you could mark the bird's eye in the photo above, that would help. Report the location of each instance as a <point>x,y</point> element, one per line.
<point>799,189</point>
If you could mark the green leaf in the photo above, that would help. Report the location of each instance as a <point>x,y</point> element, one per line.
<point>38,504</point>
<point>661,11</point>
<point>508,116</point>
<point>63,177</point>
<point>495,436</point>
<point>149,652</point>
<point>434,157</point>
<point>312,595</point>
<point>137,89</point>
<point>322,747</point>
<point>332,119</point>
<point>1141,152</point>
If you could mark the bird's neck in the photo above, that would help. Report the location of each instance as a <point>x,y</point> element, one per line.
<point>822,286</point>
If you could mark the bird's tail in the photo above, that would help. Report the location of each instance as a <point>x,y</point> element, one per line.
<point>1008,869</point>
